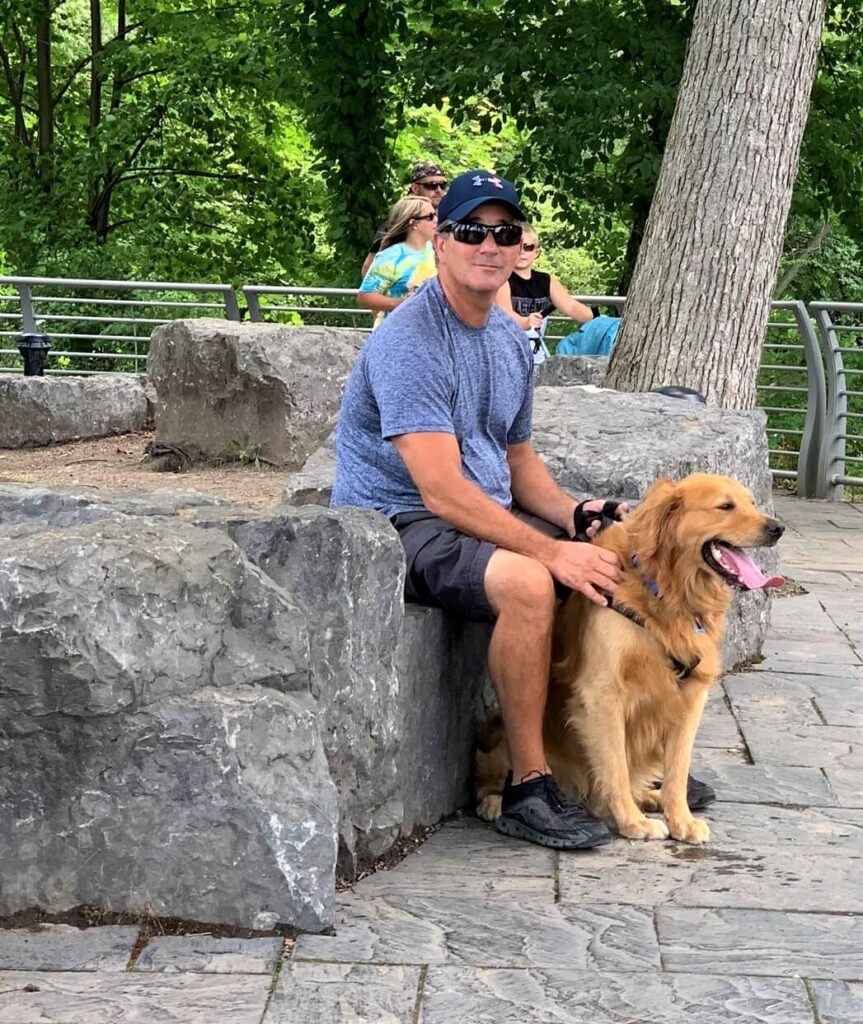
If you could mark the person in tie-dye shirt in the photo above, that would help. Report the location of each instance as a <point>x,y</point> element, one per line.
<point>406,258</point>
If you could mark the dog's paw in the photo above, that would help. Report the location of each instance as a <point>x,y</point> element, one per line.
<point>489,807</point>
<point>690,830</point>
<point>644,828</point>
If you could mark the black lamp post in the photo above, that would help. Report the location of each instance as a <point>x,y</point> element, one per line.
<point>33,348</point>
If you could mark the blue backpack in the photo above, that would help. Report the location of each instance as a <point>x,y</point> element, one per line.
<point>595,338</point>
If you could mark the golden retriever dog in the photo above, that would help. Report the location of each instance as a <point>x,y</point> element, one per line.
<point>629,682</point>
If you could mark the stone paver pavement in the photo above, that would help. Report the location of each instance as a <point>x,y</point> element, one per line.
<point>763,925</point>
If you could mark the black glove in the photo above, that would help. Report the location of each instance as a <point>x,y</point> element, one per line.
<point>582,518</point>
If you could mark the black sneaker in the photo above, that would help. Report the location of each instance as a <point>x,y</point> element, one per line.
<point>698,793</point>
<point>538,812</point>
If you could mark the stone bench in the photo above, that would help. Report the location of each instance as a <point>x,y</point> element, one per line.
<point>36,411</point>
<point>205,705</point>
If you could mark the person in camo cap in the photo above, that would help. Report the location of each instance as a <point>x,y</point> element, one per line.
<point>426,179</point>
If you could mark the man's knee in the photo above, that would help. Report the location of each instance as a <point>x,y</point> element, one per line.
<point>517,583</point>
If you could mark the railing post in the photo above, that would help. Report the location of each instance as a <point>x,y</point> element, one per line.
<point>254,304</point>
<point>231,307</point>
<point>812,441</point>
<point>28,320</point>
<point>833,442</point>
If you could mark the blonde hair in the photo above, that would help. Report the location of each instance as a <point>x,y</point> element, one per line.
<point>528,229</point>
<point>398,221</point>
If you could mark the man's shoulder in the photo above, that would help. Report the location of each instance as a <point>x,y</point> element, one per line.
<point>499,321</point>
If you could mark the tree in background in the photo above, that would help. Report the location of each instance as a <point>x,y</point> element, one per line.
<point>700,296</point>
<point>144,138</point>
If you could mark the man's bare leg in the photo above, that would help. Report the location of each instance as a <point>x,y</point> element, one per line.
<point>521,591</point>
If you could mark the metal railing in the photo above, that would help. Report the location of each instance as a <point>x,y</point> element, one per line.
<point>91,320</point>
<point>814,418</point>
<point>840,327</point>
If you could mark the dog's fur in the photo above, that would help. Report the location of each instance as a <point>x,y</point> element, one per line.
<point>618,718</point>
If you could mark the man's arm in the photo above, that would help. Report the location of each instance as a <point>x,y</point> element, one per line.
<point>535,489</point>
<point>434,463</point>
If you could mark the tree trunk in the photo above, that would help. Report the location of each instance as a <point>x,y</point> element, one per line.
<point>95,69</point>
<point>44,94</point>
<point>699,301</point>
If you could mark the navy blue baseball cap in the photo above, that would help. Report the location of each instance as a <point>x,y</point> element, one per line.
<point>473,188</point>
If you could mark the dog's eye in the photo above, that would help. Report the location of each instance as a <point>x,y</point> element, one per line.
<point>727,506</point>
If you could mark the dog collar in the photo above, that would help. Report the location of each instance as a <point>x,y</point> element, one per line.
<point>653,587</point>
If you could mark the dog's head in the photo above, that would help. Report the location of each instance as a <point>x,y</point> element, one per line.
<point>702,523</point>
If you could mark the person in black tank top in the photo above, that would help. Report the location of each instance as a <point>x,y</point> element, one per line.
<point>530,296</point>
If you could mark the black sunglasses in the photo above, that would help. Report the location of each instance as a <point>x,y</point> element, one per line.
<point>529,246</point>
<point>469,233</point>
<point>433,185</point>
<point>426,216</point>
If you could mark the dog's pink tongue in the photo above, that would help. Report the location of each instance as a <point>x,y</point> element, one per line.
<point>747,571</point>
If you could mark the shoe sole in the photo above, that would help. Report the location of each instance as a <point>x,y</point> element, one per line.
<point>705,801</point>
<point>516,830</point>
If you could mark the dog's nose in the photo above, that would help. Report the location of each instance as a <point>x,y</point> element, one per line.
<point>774,530</point>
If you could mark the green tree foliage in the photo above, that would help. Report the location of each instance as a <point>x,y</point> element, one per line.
<point>144,138</point>
<point>593,83</point>
<point>348,72</point>
<point>265,139</point>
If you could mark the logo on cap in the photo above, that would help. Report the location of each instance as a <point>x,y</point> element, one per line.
<point>478,179</point>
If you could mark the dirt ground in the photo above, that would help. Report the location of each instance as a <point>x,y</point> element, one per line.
<point>119,463</point>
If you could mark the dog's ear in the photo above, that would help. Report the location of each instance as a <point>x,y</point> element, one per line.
<point>655,518</point>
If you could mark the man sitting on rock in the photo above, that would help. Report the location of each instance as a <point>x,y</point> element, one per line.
<point>435,433</point>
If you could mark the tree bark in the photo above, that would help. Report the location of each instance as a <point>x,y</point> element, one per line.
<point>95,69</point>
<point>44,94</point>
<point>699,301</point>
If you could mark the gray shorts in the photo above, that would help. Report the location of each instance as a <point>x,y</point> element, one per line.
<point>446,568</point>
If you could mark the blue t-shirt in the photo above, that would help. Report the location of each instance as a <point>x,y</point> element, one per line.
<point>425,370</point>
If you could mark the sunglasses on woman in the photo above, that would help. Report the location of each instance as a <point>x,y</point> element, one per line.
<point>426,216</point>
<point>530,247</point>
<point>469,233</point>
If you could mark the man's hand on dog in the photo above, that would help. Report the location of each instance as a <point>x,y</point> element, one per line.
<point>585,568</point>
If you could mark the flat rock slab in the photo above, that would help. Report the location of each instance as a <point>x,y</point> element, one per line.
<point>60,507</point>
<point>838,1002</point>
<point>565,996</point>
<point>847,784</point>
<point>814,831</point>
<point>765,942</point>
<point>506,931</point>
<point>210,954</point>
<point>30,997</point>
<point>36,411</point>
<point>772,878</point>
<point>60,947</point>
<point>336,993</point>
<point>763,784</point>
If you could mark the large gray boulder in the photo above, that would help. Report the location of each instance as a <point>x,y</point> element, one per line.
<point>43,508</point>
<point>345,569</point>
<point>226,389</point>
<point>37,411</point>
<point>612,444</point>
<point>563,371</point>
<point>313,484</point>
<point>159,743</point>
